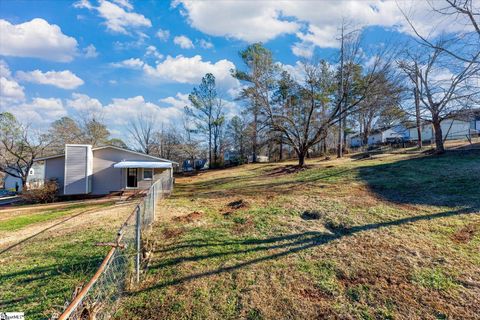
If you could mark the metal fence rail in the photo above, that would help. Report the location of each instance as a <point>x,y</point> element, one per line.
<point>122,265</point>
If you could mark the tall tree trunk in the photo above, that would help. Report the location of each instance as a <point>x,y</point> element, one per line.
<point>255,119</point>
<point>365,138</point>
<point>209,145</point>
<point>24,184</point>
<point>340,138</point>
<point>301,158</point>
<point>341,95</point>
<point>417,115</point>
<point>439,147</point>
<point>280,157</point>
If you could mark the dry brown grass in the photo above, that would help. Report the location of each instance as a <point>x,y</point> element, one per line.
<point>389,243</point>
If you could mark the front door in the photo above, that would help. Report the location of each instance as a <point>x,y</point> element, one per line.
<point>132,177</point>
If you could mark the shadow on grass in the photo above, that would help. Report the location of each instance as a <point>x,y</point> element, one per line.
<point>283,246</point>
<point>447,180</point>
<point>243,186</point>
<point>39,278</point>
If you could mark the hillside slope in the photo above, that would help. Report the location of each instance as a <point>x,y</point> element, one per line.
<point>390,237</point>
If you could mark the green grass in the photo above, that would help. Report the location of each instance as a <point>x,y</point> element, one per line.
<point>376,220</point>
<point>20,221</point>
<point>40,275</point>
<point>434,278</point>
<point>42,278</point>
<point>384,244</point>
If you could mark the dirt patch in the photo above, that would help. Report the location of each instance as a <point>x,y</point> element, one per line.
<point>193,216</point>
<point>311,215</point>
<point>312,294</point>
<point>238,204</point>
<point>465,234</point>
<point>172,232</point>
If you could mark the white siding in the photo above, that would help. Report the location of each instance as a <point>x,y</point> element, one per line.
<point>78,169</point>
<point>455,129</point>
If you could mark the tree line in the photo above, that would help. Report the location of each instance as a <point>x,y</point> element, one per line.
<point>291,114</point>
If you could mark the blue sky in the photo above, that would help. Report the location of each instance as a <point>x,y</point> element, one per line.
<point>121,58</point>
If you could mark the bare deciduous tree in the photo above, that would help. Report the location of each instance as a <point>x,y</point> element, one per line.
<point>444,86</point>
<point>19,146</point>
<point>143,133</point>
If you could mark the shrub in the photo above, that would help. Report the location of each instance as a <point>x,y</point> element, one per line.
<point>45,194</point>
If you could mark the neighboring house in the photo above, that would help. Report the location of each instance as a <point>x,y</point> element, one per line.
<point>34,178</point>
<point>231,157</point>
<point>258,158</point>
<point>10,183</point>
<point>383,135</point>
<point>452,129</point>
<point>463,125</point>
<point>99,171</point>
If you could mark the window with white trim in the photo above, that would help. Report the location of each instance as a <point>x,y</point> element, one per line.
<point>147,174</point>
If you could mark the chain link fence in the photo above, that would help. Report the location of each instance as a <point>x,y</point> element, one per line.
<point>122,266</point>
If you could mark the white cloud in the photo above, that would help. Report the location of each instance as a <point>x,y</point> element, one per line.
<point>120,111</point>
<point>124,3</point>
<point>191,70</point>
<point>82,103</point>
<point>61,79</point>
<point>40,112</point>
<point>163,34</point>
<point>314,23</point>
<point>152,51</point>
<point>36,39</point>
<point>90,51</point>
<point>303,49</point>
<point>118,18</point>
<point>184,42</point>
<point>297,71</point>
<point>245,20</point>
<point>10,90</point>
<point>132,63</point>
<point>179,101</point>
<point>205,44</point>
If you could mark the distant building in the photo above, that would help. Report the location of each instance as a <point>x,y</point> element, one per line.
<point>231,158</point>
<point>34,178</point>
<point>462,126</point>
<point>456,128</point>
<point>380,136</point>
<point>258,158</point>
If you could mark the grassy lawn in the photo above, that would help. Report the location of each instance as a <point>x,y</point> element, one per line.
<point>39,275</point>
<point>19,221</point>
<point>388,237</point>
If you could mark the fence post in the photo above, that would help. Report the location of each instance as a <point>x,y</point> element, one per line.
<point>137,244</point>
<point>154,201</point>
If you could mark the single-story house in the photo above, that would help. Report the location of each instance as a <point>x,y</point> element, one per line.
<point>461,126</point>
<point>379,136</point>
<point>102,170</point>
<point>258,158</point>
<point>34,178</point>
<point>452,129</point>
